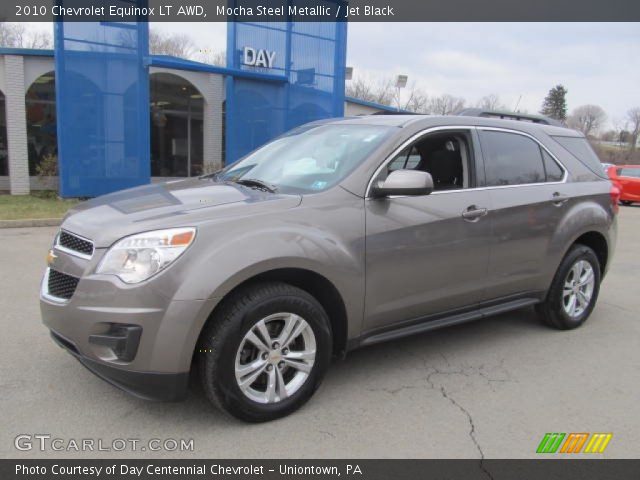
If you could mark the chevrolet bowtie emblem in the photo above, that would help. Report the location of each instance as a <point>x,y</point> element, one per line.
<point>51,257</point>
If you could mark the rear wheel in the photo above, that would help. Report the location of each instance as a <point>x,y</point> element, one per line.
<point>265,352</point>
<point>574,290</point>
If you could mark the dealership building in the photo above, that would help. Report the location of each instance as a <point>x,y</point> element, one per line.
<point>176,117</point>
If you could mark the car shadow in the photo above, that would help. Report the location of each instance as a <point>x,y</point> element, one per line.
<point>447,343</point>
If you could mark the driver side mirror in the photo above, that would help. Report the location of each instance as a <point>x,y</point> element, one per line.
<point>405,183</point>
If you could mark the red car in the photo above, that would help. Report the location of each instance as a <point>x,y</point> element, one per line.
<point>627,179</point>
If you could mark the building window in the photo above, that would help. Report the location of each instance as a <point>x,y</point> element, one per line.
<point>4,150</point>
<point>176,127</point>
<point>42,139</point>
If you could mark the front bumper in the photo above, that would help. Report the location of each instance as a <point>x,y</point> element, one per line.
<point>147,385</point>
<point>137,337</point>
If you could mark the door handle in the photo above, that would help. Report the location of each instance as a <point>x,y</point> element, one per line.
<point>473,213</point>
<point>559,199</point>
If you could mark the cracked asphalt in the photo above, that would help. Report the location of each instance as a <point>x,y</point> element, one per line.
<point>489,389</point>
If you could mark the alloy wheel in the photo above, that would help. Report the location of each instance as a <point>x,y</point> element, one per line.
<point>578,289</point>
<point>275,358</point>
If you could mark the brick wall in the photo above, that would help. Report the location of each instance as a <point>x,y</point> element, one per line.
<point>213,98</point>
<point>16,125</point>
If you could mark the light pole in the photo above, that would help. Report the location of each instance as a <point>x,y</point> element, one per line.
<point>348,73</point>
<point>401,82</point>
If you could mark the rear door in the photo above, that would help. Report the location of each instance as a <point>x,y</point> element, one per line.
<point>528,197</point>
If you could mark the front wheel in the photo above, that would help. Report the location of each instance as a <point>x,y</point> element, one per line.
<point>265,352</point>
<point>626,202</point>
<point>574,290</point>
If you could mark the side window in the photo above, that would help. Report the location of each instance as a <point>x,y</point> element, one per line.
<point>511,159</point>
<point>408,159</point>
<point>629,172</point>
<point>446,156</point>
<point>554,172</point>
<point>579,147</point>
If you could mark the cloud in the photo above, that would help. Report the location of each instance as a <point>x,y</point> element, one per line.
<point>455,62</point>
<point>597,62</point>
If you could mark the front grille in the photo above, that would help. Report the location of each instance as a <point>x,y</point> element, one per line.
<point>61,285</point>
<point>75,243</point>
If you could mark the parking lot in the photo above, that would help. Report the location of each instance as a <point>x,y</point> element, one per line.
<point>490,388</point>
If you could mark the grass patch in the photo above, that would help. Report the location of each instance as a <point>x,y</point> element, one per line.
<point>37,205</point>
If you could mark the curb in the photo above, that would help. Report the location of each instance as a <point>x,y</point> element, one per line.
<point>31,222</point>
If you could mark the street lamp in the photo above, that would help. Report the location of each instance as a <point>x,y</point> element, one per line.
<point>401,82</point>
<point>348,73</point>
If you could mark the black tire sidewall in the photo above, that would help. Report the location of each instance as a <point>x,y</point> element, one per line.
<point>555,300</point>
<point>228,341</point>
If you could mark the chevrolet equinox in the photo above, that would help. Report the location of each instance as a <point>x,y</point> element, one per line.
<point>339,234</point>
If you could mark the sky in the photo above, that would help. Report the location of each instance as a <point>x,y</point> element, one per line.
<point>599,63</point>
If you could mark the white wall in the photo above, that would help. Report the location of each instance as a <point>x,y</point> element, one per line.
<point>35,67</point>
<point>2,84</point>
<point>355,109</point>
<point>16,125</point>
<point>17,73</point>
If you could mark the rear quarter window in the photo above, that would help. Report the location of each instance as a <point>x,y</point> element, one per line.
<point>579,147</point>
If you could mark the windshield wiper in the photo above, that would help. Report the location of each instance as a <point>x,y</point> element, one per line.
<point>254,182</point>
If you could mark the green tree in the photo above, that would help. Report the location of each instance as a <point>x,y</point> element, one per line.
<point>555,103</point>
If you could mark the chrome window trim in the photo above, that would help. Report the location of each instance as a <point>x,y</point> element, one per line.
<point>427,131</point>
<point>44,290</point>
<point>75,253</point>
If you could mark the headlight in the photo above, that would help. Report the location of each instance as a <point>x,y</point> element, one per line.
<point>138,257</point>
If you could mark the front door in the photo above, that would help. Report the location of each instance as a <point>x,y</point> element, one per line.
<point>428,254</point>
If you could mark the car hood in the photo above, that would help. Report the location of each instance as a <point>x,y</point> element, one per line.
<point>188,202</point>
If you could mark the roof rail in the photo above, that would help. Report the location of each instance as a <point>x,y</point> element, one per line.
<point>479,112</point>
<point>391,112</point>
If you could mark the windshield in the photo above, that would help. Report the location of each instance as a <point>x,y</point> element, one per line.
<point>308,159</point>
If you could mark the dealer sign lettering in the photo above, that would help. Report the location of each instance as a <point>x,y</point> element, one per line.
<point>258,57</point>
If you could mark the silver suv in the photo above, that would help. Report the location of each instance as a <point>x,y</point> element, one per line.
<point>337,235</point>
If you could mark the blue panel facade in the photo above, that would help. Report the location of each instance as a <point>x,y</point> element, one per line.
<point>102,93</point>
<point>312,56</point>
<point>102,98</point>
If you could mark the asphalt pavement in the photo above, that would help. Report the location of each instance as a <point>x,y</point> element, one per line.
<point>492,388</point>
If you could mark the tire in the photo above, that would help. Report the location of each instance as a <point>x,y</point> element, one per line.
<point>626,202</point>
<point>555,310</point>
<point>222,361</point>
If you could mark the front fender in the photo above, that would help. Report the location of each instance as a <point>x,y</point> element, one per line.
<point>326,241</point>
